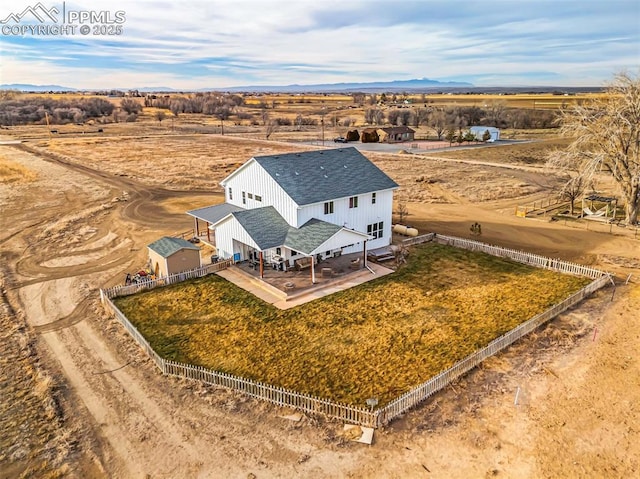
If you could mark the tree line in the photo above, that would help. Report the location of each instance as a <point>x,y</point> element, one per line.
<point>21,111</point>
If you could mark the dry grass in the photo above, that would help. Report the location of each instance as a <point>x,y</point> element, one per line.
<point>376,340</point>
<point>12,172</point>
<point>534,153</point>
<point>32,441</point>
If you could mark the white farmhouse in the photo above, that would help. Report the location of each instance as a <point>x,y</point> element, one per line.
<point>283,209</point>
<point>479,131</point>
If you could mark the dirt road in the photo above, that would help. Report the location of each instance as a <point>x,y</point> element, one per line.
<point>75,229</point>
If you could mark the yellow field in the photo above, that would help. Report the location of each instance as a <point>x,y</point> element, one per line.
<point>376,340</point>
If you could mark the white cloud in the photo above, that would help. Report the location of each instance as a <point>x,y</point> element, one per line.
<point>192,44</point>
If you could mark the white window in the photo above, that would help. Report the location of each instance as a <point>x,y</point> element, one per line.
<point>244,198</point>
<point>328,208</point>
<point>353,202</point>
<point>250,195</point>
<point>376,230</point>
<point>373,198</point>
<point>258,198</point>
<point>230,194</point>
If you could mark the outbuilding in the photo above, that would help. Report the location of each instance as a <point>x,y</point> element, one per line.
<point>173,255</point>
<point>479,132</point>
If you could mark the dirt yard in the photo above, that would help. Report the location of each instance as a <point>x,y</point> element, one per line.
<point>81,219</point>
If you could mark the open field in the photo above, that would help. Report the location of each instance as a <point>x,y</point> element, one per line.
<point>72,230</point>
<point>376,340</point>
<point>210,158</point>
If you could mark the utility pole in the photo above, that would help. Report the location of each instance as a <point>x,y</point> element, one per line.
<point>322,124</point>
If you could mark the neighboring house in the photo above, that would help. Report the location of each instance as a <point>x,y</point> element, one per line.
<point>479,131</point>
<point>316,204</point>
<point>173,255</point>
<point>396,134</point>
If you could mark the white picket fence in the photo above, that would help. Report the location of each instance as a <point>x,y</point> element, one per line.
<point>418,394</point>
<point>266,392</point>
<point>353,414</point>
<point>530,259</point>
<point>126,290</point>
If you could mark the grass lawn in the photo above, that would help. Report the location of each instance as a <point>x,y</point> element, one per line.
<point>376,340</point>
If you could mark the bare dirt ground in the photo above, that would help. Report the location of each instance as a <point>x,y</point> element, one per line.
<point>83,220</point>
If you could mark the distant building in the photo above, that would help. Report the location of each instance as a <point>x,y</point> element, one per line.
<point>479,131</point>
<point>396,134</point>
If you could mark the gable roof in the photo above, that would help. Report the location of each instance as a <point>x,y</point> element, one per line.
<point>270,230</point>
<point>398,129</point>
<point>265,225</point>
<point>166,246</point>
<point>213,214</point>
<point>310,235</point>
<point>323,175</point>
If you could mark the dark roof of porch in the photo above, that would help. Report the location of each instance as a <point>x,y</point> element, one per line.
<point>213,214</point>
<point>310,235</point>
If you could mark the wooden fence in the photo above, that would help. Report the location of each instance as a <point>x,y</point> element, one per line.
<point>354,414</point>
<point>266,392</point>
<point>126,290</point>
<point>522,257</point>
<point>415,396</point>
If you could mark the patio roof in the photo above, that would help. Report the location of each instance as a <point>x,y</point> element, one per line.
<point>213,214</point>
<point>269,230</point>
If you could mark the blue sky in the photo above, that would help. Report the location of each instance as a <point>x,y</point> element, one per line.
<point>220,43</point>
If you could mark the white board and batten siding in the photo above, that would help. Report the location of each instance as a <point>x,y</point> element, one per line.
<point>226,231</point>
<point>252,179</point>
<point>356,218</point>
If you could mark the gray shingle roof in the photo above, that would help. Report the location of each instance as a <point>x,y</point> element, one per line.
<point>213,214</point>
<point>317,176</point>
<point>265,225</point>
<point>166,246</point>
<point>310,235</point>
<point>270,230</point>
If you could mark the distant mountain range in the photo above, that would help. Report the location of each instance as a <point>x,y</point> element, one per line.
<point>386,86</point>
<point>28,87</point>
<point>396,85</point>
<point>410,86</point>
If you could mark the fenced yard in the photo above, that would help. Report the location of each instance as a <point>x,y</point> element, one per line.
<point>398,339</point>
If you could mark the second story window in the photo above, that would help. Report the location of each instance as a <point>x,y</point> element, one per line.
<point>244,198</point>
<point>373,198</point>
<point>258,198</point>
<point>230,194</point>
<point>353,202</point>
<point>328,208</point>
<point>250,196</point>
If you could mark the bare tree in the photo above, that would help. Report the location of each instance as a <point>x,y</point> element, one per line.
<point>160,115</point>
<point>130,106</point>
<point>495,113</point>
<point>606,137</point>
<point>438,121</point>
<point>419,116</point>
<point>573,189</point>
<point>402,210</point>
<point>270,127</point>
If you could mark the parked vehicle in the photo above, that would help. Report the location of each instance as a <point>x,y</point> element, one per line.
<point>340,139</point>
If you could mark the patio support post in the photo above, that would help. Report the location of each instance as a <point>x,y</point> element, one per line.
<point>197,228</point>
<point>313,271</point>
<point>208,232</point>
<point>261,266</point>
<point>364,254</point>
